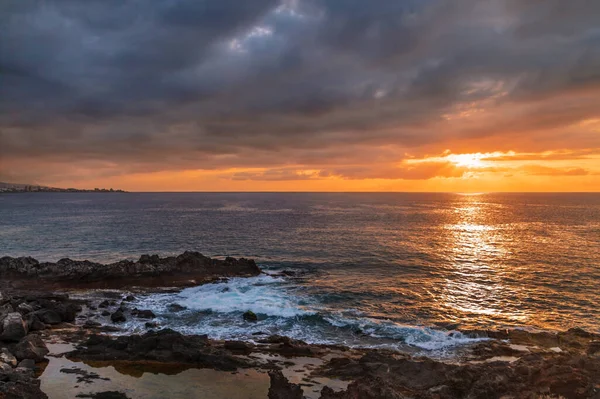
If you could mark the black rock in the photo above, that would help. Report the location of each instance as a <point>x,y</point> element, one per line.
<point>250,316</point>
<point>49,316</point>
<point>281,388</point>
<point>175,307</point>
<point>34,323</point>
<point>27,364</point>
<point>238,346</point>
<point>31,347</point>
<point>143,314</point>
<point>13,327</point>
<point>118,317</point>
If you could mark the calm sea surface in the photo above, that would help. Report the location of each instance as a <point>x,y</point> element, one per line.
<point>371,269</point>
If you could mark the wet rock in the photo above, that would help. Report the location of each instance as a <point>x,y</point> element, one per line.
<point>21,386</point>
<point>281,388</point>
<point>366,388</point>
<point>162,346</point>
<point>31,347</point>
<point>105,313</point>
<point>27,364</point>
<point>175,307</point>
<point>91,324</point>
<point>118,317</point>
<point>593,348</point>
<point>129,298</point>
<point>34,323</point>
<point>104,304</point>
<point>150,270</point>
<point>48,316</point>
<point>68,312</point>
<point>238,346</point>
<point>143,314</point>
<point>13,327</point>
<point>151,324</point>
<point>24,308</point>
<point>288,346</point>
<point>250,316</point>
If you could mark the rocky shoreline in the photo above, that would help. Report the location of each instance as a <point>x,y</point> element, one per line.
<point>510,364</point>
<point>185,270</point>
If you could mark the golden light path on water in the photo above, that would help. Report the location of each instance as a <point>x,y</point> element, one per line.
<point>476,272</point>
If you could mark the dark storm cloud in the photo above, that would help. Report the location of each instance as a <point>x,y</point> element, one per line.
<point>225,83</point>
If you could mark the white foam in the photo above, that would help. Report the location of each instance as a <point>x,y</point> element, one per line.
<point>259,294</point>
<point>215,309</point>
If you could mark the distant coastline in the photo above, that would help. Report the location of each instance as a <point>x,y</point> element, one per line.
<point>33,188</point>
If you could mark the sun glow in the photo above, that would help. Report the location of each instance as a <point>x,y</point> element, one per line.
<point>467,160</point>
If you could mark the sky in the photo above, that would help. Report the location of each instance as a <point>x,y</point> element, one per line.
<point>301,95</point>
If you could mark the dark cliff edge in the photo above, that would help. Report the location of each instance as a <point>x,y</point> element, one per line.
<point>187,269</point>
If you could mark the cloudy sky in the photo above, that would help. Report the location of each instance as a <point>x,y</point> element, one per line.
<point>318,95</point>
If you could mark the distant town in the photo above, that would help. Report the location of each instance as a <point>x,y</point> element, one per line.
<point>32,188</point>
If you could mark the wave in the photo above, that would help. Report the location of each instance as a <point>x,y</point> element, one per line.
<point>216,309</point>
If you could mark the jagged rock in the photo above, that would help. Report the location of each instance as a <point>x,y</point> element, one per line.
<point>31,347</point>
<point>91,324</point>
<point>153,270</point>
<point>250,316</point>
<point>6,309</point>
<point>129,298</point>
<point>366,388</point>
<point>281,388</point>
<point>5,368</point>
<point>7,357</point>
<point>49,316</point>
<point>118,317</point>
<point>20,383</point>
<point>105,313</point>
<point>163,346</point>
<point>34,323</point>
<point>593,348</point>
<point>104,304</point>
<point>143,314</point>
<point>27,364</point>
<point>24,308</point>
<point>175,307</point>
<point>238,346</point>
<point>288,346</point>
<point>13,327</point>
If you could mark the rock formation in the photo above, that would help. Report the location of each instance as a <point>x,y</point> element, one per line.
<point>189,268</point>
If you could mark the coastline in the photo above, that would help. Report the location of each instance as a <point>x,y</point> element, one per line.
<point>63,338</point>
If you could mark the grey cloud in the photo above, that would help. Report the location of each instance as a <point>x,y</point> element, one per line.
<point>209,83</point>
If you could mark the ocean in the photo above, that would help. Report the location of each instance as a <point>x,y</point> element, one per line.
<point>394,270</point>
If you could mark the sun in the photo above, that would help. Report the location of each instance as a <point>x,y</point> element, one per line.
<point>467,160</point>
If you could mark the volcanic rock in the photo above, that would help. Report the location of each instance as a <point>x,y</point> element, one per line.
<point>143,314</point>
<point>281,388</point>
<point>31,347</point>
<point>118,317</point>
<point>13,327</point>
<point>175,307</point>
<point>250,316</point>
<point>184,270</point>
<point>163,346</point>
